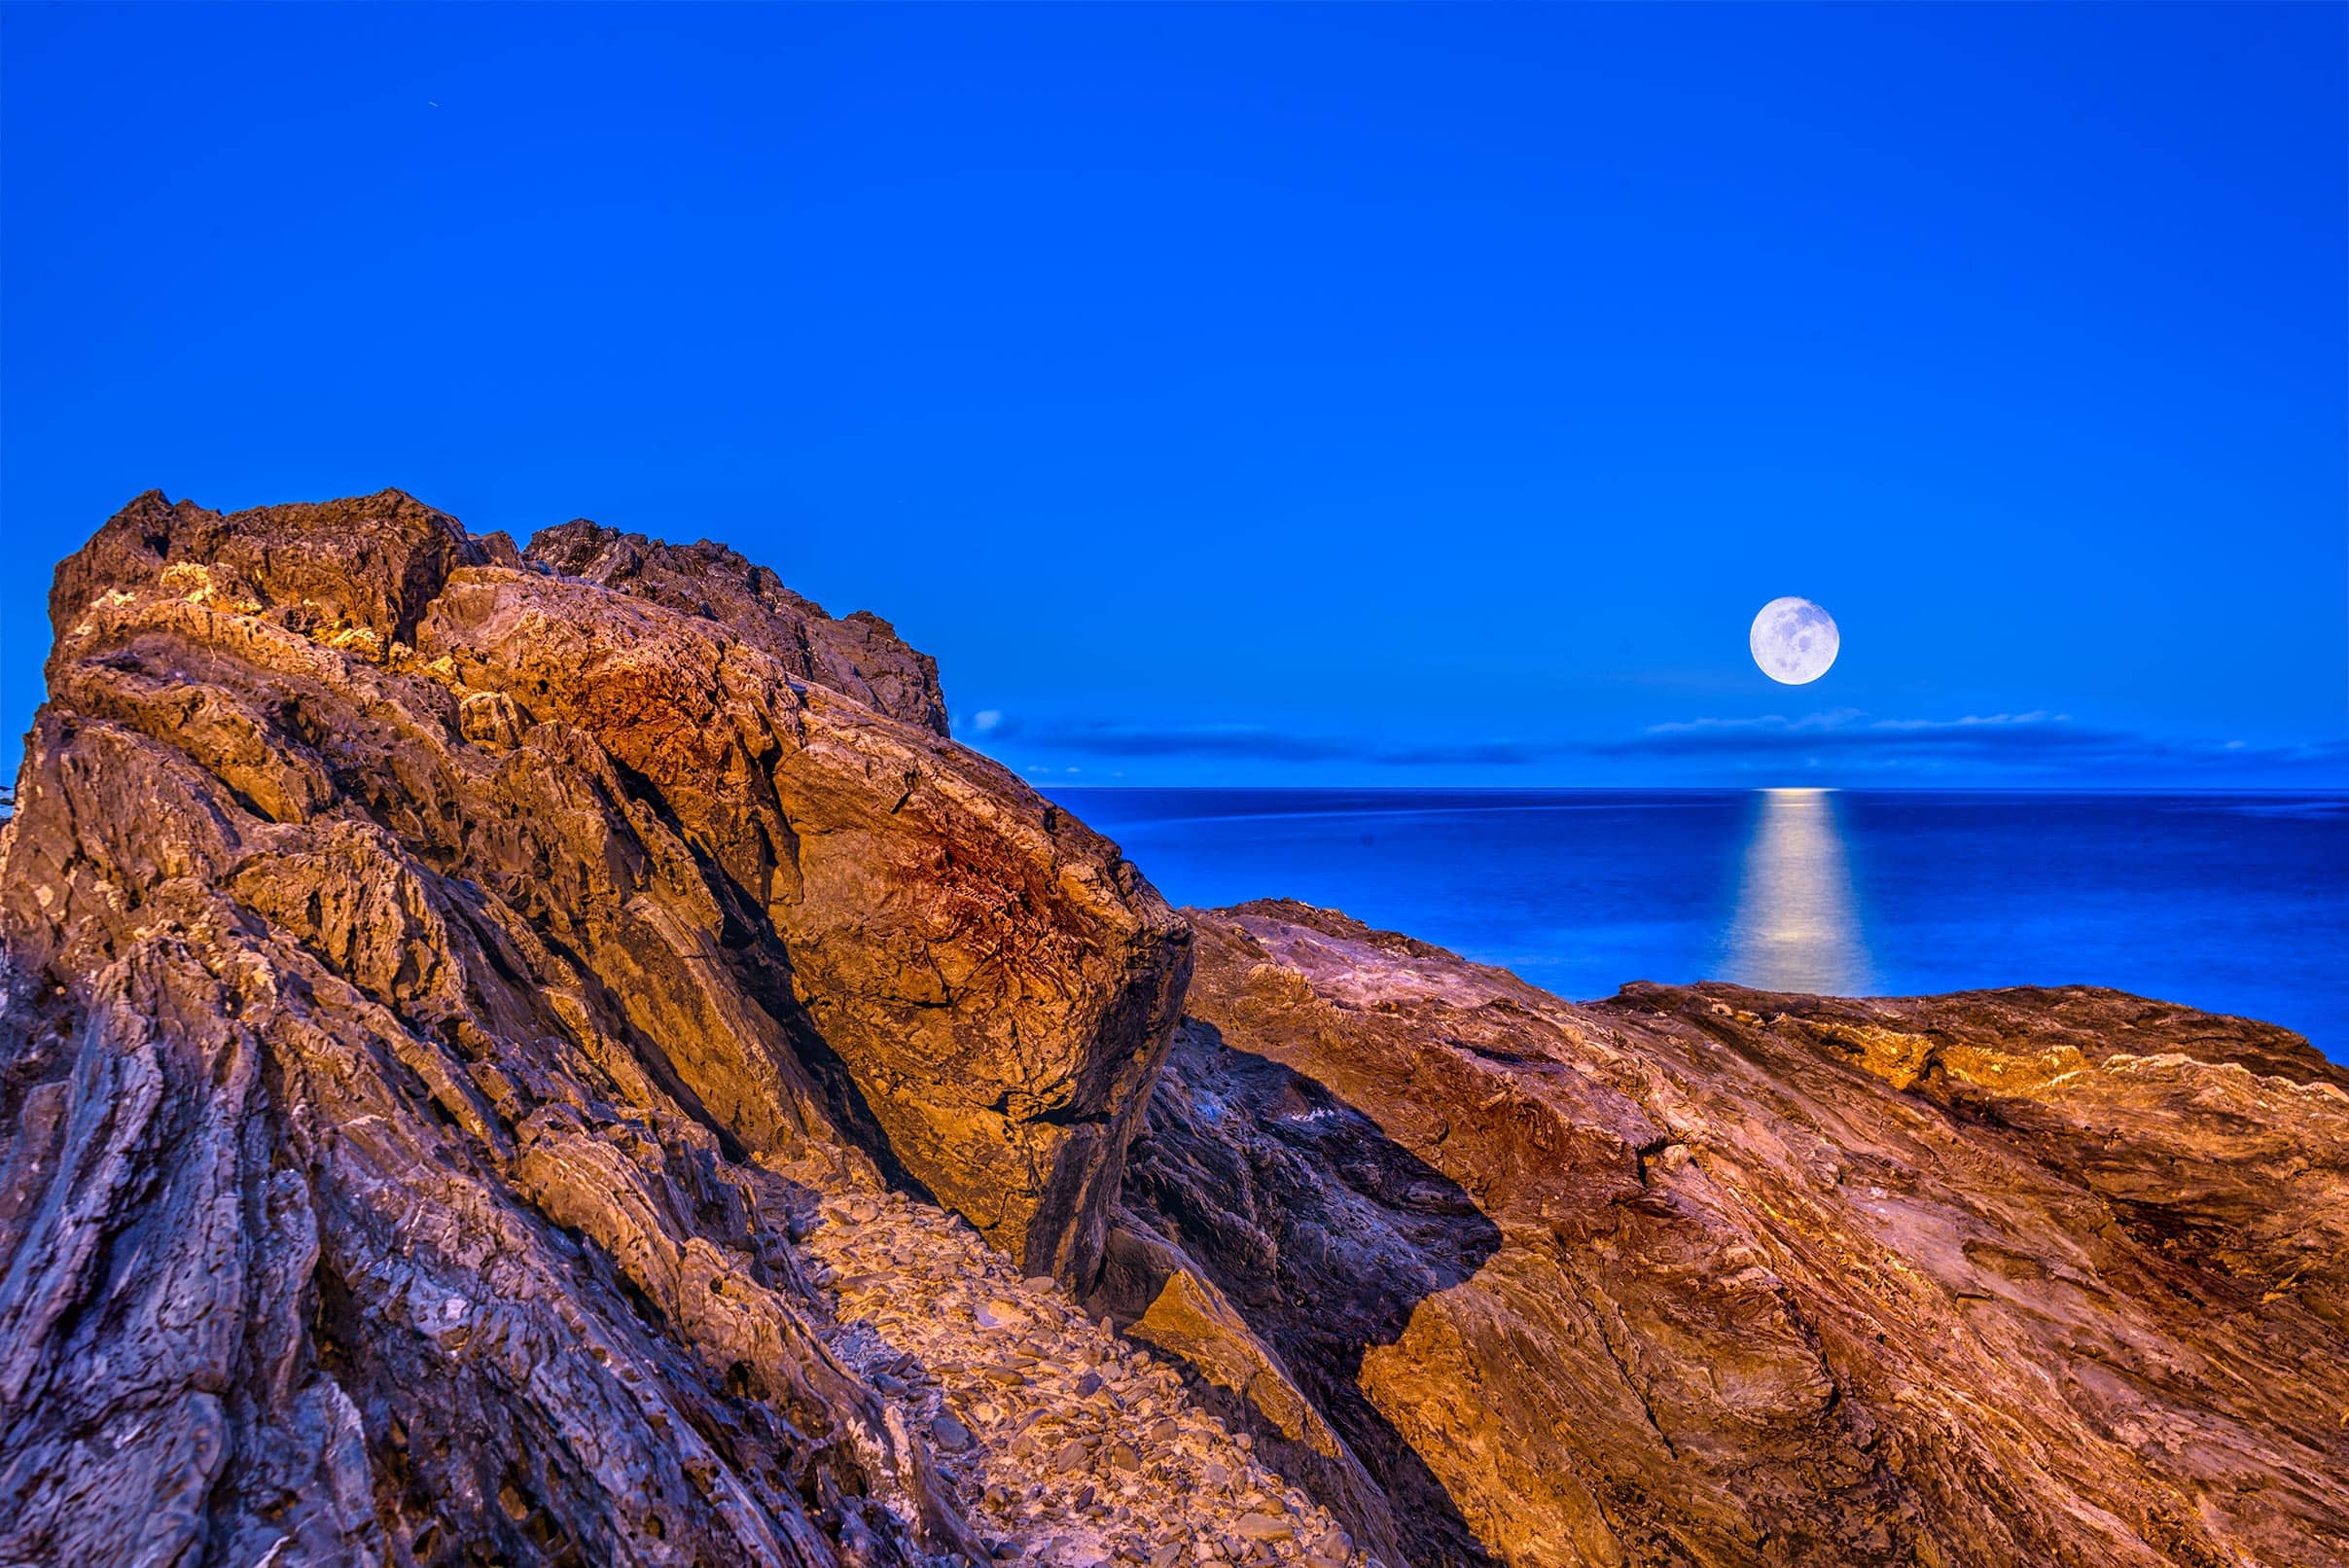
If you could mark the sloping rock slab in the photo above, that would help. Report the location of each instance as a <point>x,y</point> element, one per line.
<point>1702,1276</point>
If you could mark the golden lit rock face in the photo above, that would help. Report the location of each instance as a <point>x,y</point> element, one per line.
<point>995,980</point>
<point>1189,1319</point>
<point>436,989</point>
<point>1706,1274</point>
<point>1895,1055</point>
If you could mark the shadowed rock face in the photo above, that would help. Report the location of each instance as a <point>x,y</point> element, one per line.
<point>1703,1275</point>
<point>437,989</point>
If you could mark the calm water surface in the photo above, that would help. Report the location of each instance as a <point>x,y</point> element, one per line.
<point>2230,903</point>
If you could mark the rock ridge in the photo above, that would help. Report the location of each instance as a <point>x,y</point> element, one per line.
<point>439,989</point>
<point>1708,1275</point>
<point>553,1057</point>
<point>859,654</point>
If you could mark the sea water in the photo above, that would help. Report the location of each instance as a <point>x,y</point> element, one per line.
<point>2228,903</point>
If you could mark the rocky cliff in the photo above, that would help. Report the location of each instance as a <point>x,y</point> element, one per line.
<point>1711,1276</point>
<point>437,989</point>
<point>552,1055</point>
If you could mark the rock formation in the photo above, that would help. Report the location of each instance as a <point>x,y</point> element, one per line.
<point>437,991</point>
<point>1710,1276</point>
<point>552,1056</point>
<point>860,655</point>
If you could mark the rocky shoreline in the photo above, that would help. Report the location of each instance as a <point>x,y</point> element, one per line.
<point>552,1056</point>
<point>1707,1274</point>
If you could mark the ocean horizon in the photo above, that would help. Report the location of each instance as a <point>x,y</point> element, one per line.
<point>2232,902</point>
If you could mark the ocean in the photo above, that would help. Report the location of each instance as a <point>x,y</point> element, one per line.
<point>2228,903</point>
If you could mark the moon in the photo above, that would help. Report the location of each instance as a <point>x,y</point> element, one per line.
<point>1795,641</point>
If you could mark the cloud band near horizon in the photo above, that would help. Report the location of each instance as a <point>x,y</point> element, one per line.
<point>2033,742</point>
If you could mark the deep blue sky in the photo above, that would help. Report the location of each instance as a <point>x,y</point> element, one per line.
<point>1303,393</point>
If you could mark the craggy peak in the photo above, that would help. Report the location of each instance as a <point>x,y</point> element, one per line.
<point>553,1055</point>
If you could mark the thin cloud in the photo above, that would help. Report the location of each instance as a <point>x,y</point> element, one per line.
<point>2037,740</point>
<point>2034,743</point>
<point>1849,731</point>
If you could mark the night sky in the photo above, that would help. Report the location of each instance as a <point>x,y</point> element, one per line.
<point>1298,394</point>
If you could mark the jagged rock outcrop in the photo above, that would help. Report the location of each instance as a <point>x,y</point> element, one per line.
<point>1702,1276</point>
<point>859,654</point>
<point>552,1056</point>
<point>437,989</point>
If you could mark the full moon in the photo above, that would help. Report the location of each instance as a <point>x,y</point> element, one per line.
<point>1795,641</point>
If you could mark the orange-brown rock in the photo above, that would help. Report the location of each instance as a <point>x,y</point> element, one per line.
<point>436,989</point>
<point>1704,1275</point>
<point>461,1011</point>
<point>859,654</point>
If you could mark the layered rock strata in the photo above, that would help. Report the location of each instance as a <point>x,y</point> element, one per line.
<point>1702,1276</point>
<point>859,654</point>
<point>439,987</point>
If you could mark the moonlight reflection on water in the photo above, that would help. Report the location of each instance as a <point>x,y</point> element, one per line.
<point>1797,923</point>
<point>2232,902</point>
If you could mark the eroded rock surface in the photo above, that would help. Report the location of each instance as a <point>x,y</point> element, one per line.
<point>554,1058</point>
<point>437,989</point>
<point>1711,1276</point>
<point>860,654</point>
<point>1062,1442</point>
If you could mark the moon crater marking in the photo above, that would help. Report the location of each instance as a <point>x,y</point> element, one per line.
<point>1795,641</point>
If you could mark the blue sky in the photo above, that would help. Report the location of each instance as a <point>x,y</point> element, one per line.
<point>1314,395</point>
